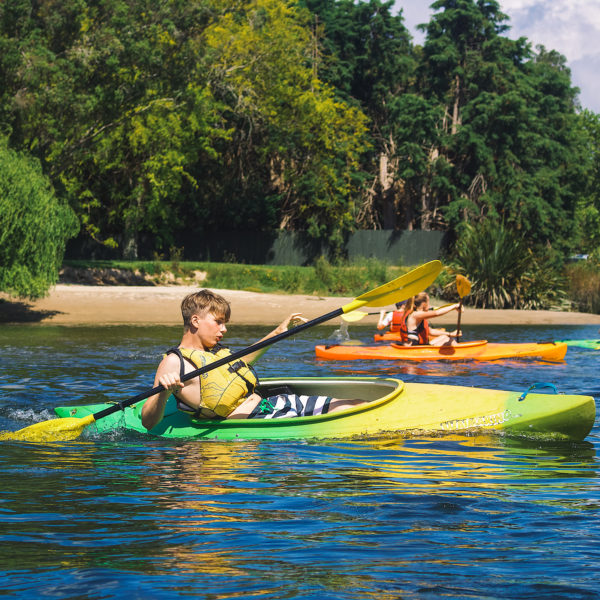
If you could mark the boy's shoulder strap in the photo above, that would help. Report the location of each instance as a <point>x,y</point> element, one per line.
<point>177,351</point>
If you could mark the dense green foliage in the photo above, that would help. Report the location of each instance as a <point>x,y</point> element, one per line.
<point>159,122</point>
<point>34,226</point>
<point>587,221</point>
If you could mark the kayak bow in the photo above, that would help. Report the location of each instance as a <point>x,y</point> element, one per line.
<point>590,344</point>
<point>393,406</point>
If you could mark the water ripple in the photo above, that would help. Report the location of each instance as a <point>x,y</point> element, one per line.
<point>123,515</point>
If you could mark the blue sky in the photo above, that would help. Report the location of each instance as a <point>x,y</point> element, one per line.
<point>571,27</point>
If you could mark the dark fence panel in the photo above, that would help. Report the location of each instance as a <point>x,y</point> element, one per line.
<point>397,247</point>
<point>286,247</point>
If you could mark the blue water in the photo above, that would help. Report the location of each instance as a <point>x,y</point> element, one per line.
<point>128,516</point>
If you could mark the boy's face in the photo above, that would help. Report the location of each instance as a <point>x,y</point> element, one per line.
<point>210,328</point>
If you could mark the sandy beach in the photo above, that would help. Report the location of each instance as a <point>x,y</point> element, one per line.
<point>74,304</point>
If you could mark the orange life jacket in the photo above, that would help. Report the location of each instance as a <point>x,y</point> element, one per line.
<point>422,332</point>
<point>396,323</point>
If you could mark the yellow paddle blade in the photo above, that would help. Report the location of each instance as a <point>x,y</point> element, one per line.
<point>399,289</point>
<point>463,286</point>
<point>355,315</point>
<point>55,430</point>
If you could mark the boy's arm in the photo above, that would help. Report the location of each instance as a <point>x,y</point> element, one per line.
<point>167,375</point>
<point>384,319</point>
<point>283,326</point>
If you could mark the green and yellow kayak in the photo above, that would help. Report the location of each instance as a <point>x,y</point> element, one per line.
<point>393,406</point>
<point>590,344</point>
<point>475,350</point>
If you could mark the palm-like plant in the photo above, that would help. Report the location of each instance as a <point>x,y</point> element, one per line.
<point>503,270</point>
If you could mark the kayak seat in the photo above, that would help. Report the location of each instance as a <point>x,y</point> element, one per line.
<point>266,390</point>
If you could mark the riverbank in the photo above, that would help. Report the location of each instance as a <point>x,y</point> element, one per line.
<point>73,304</point>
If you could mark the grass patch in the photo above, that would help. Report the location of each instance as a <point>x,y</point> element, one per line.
<point>324,279</point>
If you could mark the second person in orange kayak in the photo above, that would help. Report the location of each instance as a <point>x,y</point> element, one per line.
<point>415,329</point>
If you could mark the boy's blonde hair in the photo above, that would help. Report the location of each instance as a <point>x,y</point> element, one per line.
<point>201,303</point>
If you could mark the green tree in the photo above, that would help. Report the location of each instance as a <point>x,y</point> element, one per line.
<point>113,99</point>
<point>167,120</point>
<point>509,123</point>
<point>368,58</point>
<point>587,216</point>
<point>34,227</point>
<point>292,137</point>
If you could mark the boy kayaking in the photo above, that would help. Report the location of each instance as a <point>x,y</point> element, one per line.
<point>229,391</point>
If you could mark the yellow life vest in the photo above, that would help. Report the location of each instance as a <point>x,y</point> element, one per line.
<point>222,389</point>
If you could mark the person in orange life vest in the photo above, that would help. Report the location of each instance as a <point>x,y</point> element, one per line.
<point>205,315</point>
<point>393,319</point>
<point>415,327</point>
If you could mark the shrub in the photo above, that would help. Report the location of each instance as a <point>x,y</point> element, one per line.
<point>504,271</point>
<point>34,226</point>
<point>584,286</point>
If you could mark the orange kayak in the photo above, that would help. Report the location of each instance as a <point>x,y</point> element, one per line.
<point>476,350</point>
<point>388,336</point>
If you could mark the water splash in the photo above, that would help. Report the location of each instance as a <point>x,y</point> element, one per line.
<point>340,335</point>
